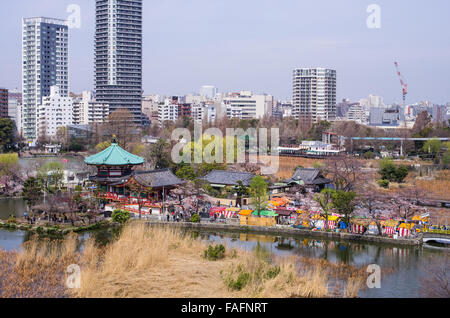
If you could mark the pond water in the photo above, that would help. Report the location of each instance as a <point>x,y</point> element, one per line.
<point>407,265</point>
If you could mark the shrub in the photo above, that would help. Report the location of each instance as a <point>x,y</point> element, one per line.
<point>120,216</point>
<point>240,282</point>
<point>214,253</point>
<point>12,219</point>
<point>368,155</point>
<point>273,272</point>
<point>400,173</point>
<point>195,218</point>
<point>383,183</point>
<point>389,171</point>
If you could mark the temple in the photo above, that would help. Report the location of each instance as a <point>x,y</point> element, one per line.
<point>118,181</point>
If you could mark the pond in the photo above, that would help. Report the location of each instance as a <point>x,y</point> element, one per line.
<point>407,265</point>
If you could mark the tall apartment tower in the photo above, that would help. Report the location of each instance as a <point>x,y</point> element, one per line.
<point>314,94</point>
<point>45,63</point>
<point>118,55</point>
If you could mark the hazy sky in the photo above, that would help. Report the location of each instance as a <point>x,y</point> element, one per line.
<point>255,44</point>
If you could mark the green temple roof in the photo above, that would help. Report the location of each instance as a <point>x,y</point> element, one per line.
<point>114,156</point>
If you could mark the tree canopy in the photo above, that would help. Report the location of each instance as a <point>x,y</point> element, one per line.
<point>7,134</point>
<point>258,192</point>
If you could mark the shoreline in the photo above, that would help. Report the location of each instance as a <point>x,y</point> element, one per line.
<point>279,230</point>
<point>292,232</point>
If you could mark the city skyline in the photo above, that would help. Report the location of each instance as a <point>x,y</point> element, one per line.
<point>197,45</point>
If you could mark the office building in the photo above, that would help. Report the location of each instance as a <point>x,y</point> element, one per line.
<point>45,62</point>
<point>15,108</point>
<point>246,105</point>
<point>314,97</point>
<point>168,111</point>
<point>118,55</point>
<point>357,113</point>
<point>386,117</point>
<point>86,110</point>
<point>56,111</point>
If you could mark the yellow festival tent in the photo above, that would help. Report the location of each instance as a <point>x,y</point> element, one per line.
<point>408,226</point>
<point>246,212</point>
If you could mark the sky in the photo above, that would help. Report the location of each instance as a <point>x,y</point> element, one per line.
<point>255,45</point>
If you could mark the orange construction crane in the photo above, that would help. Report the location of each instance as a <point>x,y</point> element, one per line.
<point>402,81</point>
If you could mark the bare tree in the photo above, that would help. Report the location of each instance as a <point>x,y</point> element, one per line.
<point>139,189</point>
<point>375,203</point>
<point>121,124</point>
<point>344,171</point>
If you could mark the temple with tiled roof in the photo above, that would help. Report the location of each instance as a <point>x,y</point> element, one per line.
<point>117,180</point>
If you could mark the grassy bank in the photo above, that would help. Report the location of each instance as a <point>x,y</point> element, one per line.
<point>162,262</point>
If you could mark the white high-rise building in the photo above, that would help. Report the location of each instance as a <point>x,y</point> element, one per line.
<point>245,105</point>
<point>45,63</point>
<point>168,111</point>
<point>198,112</point>
<point>56,111</point>
<point>357,113</point>
<point>87,111</point>
<point>314,94</point>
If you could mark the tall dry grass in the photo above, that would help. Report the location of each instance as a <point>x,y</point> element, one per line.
<point>38,271</point>
<point>436,188</point>
<point>158,262</point>
<point>287,165</point>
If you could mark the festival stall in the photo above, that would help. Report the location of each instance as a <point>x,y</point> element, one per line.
<point>332,221</point>
<point>389,227</point>
<point>373,228</point>
<point>317,221</point>
<point>359,225</point>
<point>246,212</point>
<point>263,218</point>
<point>223,212</point>
<point>404,229</point>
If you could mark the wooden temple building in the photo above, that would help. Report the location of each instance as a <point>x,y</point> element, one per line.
<point>118,181</point>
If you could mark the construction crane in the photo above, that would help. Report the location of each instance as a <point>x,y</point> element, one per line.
<point>402,81</point>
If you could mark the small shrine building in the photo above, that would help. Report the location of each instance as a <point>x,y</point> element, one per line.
<point>118,181</point>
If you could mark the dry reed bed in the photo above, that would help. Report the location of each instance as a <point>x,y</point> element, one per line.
<point>436,188</point>
<point>163,262</point>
